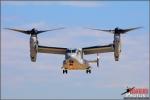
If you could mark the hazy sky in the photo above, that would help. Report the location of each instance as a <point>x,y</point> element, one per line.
<point>21,78</point>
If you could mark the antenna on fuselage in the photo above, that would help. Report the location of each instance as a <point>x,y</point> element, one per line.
<point>98,59</point>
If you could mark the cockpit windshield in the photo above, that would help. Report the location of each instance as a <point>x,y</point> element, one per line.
<point>71,50</point>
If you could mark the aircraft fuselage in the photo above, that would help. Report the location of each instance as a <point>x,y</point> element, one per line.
<point>74,60</point>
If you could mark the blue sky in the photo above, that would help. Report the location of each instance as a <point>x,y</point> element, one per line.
<point>21,78</point>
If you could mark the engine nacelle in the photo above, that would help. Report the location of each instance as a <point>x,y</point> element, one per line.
<point>117,47</point>
<point>33,48</point>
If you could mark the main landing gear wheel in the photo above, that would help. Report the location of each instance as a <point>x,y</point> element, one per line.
<point>65,71</point>
<point>116,58</point>
<point>88,71</point>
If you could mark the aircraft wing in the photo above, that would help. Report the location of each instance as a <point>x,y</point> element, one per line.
<point>98,49</point>
<point>52,50</point>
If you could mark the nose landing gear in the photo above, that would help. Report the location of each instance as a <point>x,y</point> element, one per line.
<point>65,71</point>
<point>88,71</point>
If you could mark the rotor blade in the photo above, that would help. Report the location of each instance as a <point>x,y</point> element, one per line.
<point>17,30</point>
<point>50,30</point>
<point>130,29</point>
<point>111,31</point>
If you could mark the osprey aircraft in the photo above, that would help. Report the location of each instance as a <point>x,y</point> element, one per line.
<point>74,58</point>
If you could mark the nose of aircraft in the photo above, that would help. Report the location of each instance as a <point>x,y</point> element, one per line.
<point>70,61</point>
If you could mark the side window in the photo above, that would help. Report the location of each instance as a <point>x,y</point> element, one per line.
<point>64,62</point>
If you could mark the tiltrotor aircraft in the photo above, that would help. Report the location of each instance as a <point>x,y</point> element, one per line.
<point>74,57</point>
